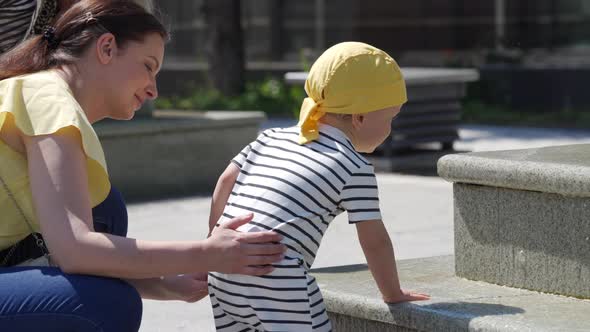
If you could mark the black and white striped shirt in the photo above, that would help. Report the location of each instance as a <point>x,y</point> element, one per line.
<point>297,190</point>
<point>15,19</point>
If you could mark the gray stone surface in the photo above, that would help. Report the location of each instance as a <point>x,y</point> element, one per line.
<point>349,323</point>
<point>479,138</point>
<point>556,169</point>
<point>415,231</point>
<point>414,76</point>
<point>418,214</point>
<point>523,239</point>
<point>521,217</point>
<point>174,153</point>
<point>456,305</point>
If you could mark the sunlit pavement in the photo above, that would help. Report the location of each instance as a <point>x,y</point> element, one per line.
<point>417,210</point>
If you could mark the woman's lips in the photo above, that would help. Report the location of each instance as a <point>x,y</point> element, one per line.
<point>140,102</point>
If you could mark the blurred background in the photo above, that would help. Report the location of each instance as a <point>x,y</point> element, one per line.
<point>532,56</point>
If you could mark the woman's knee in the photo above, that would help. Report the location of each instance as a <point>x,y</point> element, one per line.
<point>114,305</point>
<point>128,311</point>
<point>61,302</point>
<point>110,216</point>
<point>130,307</point>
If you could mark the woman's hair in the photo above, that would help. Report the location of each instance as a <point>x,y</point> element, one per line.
<point>76,30</point>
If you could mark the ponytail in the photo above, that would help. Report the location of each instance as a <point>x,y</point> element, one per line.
<point>75,31</point>
<point>28,57</point>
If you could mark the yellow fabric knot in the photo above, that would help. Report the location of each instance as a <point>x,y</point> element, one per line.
<point>308,120</point>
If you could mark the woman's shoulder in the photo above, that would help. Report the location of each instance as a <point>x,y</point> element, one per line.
<point>41,103</point>
<point>30,85</point>
<point>36,90</point>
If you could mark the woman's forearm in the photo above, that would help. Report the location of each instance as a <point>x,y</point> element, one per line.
<point>114,256</point>
<point>61,198</point>
<point>225,251</point>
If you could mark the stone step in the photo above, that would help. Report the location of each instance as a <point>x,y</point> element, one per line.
<point>354,303</point>
<point>521,217</point>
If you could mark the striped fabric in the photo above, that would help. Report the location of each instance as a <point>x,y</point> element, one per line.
<point>295,190</point>
<point>15,19</point>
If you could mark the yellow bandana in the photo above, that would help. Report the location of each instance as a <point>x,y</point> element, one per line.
<point>349,78</point>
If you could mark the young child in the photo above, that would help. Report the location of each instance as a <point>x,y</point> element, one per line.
<point>296,180</point>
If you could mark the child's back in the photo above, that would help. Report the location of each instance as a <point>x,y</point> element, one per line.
<point>295,190</point>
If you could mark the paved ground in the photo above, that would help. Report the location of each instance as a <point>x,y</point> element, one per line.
<point>417,211</point>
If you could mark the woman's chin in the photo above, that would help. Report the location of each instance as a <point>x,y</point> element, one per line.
<point>123,116</point>
<point>130,116</point>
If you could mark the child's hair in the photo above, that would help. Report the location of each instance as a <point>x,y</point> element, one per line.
<point>74,32</point>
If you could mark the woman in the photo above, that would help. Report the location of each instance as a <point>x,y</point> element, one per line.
<point>98,61</point>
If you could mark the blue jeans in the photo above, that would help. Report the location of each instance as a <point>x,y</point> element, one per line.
<point>46,299</point>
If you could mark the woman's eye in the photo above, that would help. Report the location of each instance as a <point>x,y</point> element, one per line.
<point>148,68</point>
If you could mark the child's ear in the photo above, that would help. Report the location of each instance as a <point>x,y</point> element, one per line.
<point>358,120</point>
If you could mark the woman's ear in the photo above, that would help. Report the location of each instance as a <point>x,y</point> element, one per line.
<point>106,48</point>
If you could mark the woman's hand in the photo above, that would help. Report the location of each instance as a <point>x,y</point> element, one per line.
<point>185,287</point>
<point>243,253</point>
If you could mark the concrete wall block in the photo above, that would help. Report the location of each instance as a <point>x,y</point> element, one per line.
<point>428,92</point>
<point>345,323</point>
<point>354,304</point>
<point>157,158</point>
<point>524,239</point>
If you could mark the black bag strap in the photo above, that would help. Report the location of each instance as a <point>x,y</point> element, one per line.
<point>38,239</point>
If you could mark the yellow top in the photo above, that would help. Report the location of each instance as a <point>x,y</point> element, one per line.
<point>41,104</point>
<point>349,78</point>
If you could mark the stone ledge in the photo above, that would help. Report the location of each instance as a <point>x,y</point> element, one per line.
<point>561,170</point>
<point>175,153</point>
<point>526,239</point>
<point>167,121</point>
<point>457,304</point>
<point>414,76</point>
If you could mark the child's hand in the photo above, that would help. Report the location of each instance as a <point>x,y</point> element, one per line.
<point>405,296</point>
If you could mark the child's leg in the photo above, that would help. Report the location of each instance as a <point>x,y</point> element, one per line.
<point>319,314</point>
<point>223,321</point>
<point>276,302</point>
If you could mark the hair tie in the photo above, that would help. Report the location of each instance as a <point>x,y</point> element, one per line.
<point>89,18</point>
<point>49,36</point>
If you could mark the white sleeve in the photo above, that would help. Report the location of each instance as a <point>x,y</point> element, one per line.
<point>360,197</point>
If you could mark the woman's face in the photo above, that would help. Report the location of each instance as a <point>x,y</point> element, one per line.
<point>132,76</point>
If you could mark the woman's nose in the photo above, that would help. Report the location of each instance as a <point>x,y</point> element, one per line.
<point>152,91</point>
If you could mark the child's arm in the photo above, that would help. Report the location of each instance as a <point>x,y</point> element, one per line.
<point>378,251</point>
<point>223,189</point>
